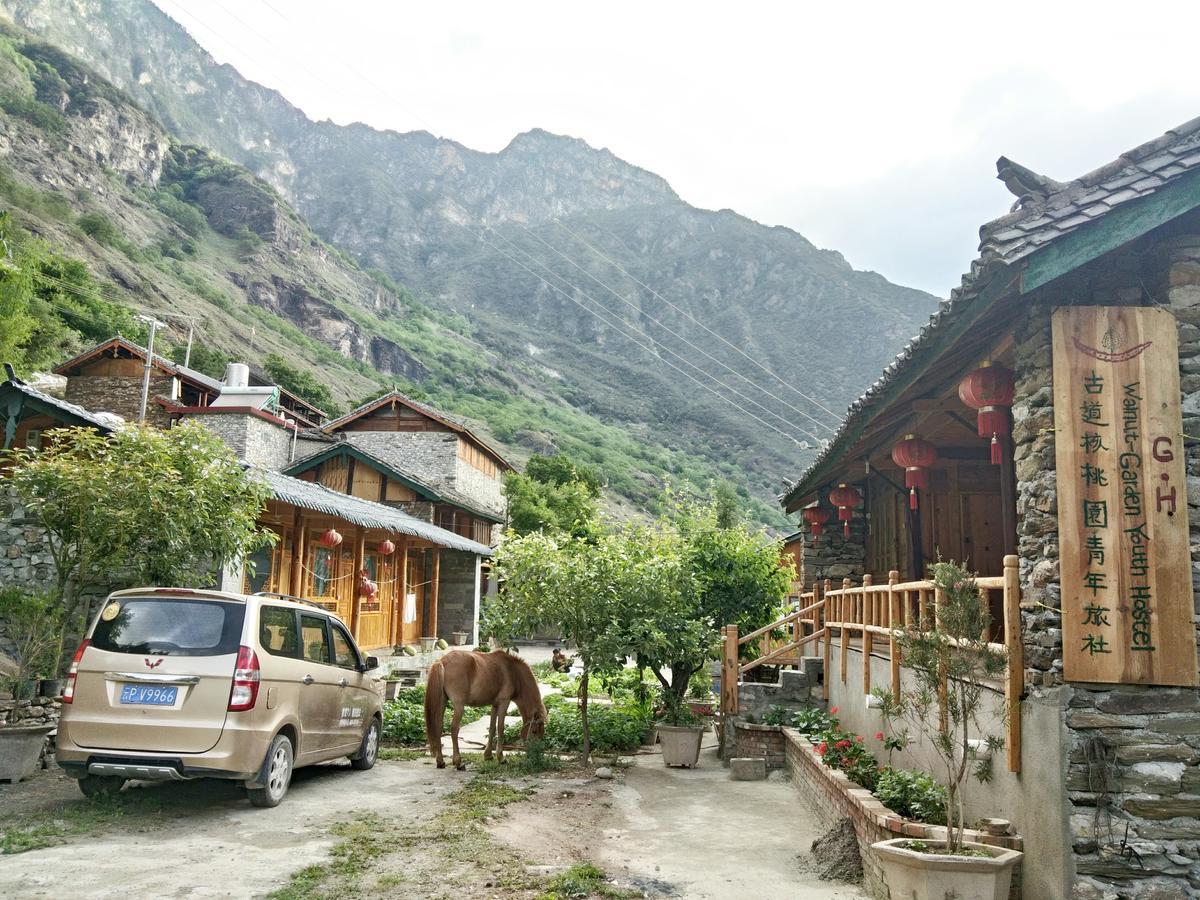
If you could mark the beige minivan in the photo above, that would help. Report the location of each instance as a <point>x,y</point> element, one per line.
<point>173,684</point>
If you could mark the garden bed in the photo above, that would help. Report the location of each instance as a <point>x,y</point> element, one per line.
<point>835,797</point>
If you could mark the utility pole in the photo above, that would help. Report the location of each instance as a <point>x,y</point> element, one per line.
<point>187,354</point>
<point>153,323</point>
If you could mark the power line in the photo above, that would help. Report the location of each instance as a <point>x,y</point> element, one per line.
<point>684,312</point>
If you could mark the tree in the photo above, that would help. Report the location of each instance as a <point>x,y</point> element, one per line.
<point>16,291</point>
<point>951,666</point>
<point>555,494</point>
<point>301,383</point>
<point>140,505</point>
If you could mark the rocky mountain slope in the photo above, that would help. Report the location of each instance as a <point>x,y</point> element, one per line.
<point>586,272</point>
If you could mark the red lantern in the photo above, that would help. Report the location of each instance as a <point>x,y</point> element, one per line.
<point>915,456</point>
<point>845,498</point>
<point>331,538</point>
<point>816,516</point>
<point>385,548</point>
<point>989,389</point>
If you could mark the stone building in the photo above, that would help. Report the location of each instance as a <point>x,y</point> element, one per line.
<point>404,453</point>
<point>1098,460</point>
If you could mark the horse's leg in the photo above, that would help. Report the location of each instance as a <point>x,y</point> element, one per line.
<point>487,750</point>
<point>501,711</point>
<point>454,723</point>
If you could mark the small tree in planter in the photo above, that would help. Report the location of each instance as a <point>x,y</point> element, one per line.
<point>31,625</point>
<point>951,665</point>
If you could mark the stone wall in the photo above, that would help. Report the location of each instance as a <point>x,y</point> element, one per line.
<point>483,490</point>
<point>457,593</point>
<point>255,440</point>
<point>1133,794</point>
<point>831,555</point>
<point>122,395</point>
<point>24,555</point>
<point>429,456</point>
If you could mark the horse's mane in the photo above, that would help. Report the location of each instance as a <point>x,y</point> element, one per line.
<point>520,668</point>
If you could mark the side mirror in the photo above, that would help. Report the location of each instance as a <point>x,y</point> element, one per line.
<point>371,663</point>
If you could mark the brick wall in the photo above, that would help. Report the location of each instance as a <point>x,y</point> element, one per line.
<point>759,741</point>
<point>836,797</point>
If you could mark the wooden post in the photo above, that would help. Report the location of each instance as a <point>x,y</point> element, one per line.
<point>1014,673</point>
<point>825,641</point>
<point>401,592</point>
<point>893,649</point>
<point>434,577</point>
<point>922,612</point>
<point>360,548</point>
<point>868,618</point>
<point>846,607</point>
<point>729,672</point>
<point>299,552</point>
<point>1008,494</point>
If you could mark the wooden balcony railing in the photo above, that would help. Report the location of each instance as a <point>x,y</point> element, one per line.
<point>876,611</point>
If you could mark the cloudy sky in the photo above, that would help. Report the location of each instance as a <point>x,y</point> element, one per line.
<point>871,128</point>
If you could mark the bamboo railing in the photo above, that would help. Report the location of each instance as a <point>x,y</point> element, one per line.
<point>876,611</point>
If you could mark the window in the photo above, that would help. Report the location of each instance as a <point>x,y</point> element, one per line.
<point>277,631</point>
<point>33,439</point>
<point>322,571</point>
<point>258,572</point>
<point>312,635</point>
<point>344,654</point>
<point>169,626</point>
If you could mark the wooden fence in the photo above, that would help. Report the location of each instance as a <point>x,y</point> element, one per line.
<point>874,612</point>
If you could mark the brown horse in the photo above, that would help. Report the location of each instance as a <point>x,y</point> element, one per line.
<point>495,679</point>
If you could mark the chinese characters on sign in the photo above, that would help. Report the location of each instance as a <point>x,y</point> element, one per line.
<point>1125,567</point>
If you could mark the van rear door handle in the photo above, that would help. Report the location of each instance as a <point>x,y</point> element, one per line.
<point>307,679</point>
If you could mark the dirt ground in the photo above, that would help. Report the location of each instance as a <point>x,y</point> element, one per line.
<point>397,831</point>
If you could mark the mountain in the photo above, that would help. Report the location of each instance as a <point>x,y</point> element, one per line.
<point>581,280</point>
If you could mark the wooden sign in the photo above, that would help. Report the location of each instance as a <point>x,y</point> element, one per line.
<point>1122,497</point>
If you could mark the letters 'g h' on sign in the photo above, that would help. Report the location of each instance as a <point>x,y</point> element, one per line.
<point>1122,497</point>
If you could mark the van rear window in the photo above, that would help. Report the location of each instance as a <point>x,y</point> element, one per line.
<point>170,626</point>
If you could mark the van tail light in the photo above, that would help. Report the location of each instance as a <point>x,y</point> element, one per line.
<point>68,694</point>
<point>246,676</point>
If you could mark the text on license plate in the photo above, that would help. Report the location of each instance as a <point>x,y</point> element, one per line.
<point>147,695</point>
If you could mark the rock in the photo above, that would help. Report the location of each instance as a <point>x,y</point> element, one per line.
<point>1165,808</point>
<point>748,768</point>
<point>604,773</point>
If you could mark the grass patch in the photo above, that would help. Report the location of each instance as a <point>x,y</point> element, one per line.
<point>33,831</point>
<point>583,880</point>
<point>405,754</point>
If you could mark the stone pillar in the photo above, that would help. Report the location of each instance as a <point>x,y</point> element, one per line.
<point>831,555</point>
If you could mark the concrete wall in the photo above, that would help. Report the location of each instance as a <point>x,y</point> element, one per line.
<point>1034,801</point>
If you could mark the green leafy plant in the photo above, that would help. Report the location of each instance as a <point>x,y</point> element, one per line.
<point>404,717</point>
<point>31,627</point>
<point>912,794</point>
<point>951,666</point>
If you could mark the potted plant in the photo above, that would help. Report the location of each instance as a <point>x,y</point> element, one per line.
<point>680,732</point>
<point>460,638</point>
<point>31,625</point>
<point>950,665</point>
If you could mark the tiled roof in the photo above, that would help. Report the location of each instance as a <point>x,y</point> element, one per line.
<point>168,365</point>
<point>1012,238</point>
<point>365,513</point>
<point>103,421</point>
<point>454,424</point>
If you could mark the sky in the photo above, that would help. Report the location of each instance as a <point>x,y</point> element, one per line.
<point>871,128</point>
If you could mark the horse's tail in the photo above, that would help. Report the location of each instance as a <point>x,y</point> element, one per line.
<point>435,708</point>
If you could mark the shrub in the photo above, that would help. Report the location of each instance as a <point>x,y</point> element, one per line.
<point>912,794</point>
<point>846,751</point>
<point>99,228</point>
<point>612,728</point>
<point>31,625</point>
<point>404,717</point>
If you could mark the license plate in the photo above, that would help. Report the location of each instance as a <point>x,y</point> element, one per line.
<point>146,695</point>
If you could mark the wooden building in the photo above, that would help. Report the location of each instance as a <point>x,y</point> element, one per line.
<point>1041,429</point>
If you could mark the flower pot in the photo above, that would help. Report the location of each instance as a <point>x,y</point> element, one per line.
<point>459,638</point>
<point>391,689</point>
<point>680,744</point>
<point>20,750</point>
<point>932,876</point>
<point>427,644</point>
<point>50,687</point>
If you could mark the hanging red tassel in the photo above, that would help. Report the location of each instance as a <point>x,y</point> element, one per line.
<point>995,450</point>
<point>912,498</point>
<point>846,530</point>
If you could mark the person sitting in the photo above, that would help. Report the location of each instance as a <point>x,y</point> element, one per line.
<point>559,661</point>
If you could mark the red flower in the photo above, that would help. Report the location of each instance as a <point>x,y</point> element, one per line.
<point>859,738</point>
<point>841,745</point>
<point>833,712</point>
<point>879,735</point>
<point>821,748</point>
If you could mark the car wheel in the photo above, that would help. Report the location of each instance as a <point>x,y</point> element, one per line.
<point>279,775</point>
<point>101,787</point>
<point>368,751</point>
